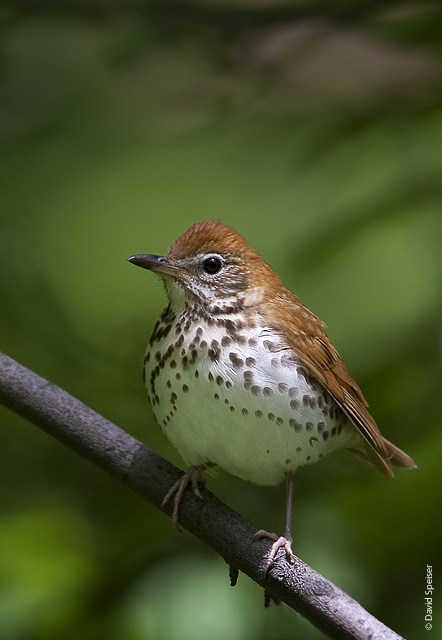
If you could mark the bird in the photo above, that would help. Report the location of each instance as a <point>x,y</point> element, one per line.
<point>242,376</point>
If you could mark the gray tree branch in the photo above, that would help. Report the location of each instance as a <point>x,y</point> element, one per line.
<point>129,461</point>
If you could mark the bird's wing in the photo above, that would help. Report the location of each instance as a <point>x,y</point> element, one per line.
<point>306,336</point>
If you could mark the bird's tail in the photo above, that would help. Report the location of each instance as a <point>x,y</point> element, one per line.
<point>392,456</point>
<point>397,457</point>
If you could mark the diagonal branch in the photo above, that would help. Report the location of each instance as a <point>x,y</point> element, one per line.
<point>115,451</point>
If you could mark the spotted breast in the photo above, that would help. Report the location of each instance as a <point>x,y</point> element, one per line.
<point>228,390</point>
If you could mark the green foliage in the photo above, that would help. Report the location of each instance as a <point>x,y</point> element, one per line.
<point>102,160</point>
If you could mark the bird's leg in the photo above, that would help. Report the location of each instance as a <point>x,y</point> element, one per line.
<point>193,477</point>
<point>286,540</point>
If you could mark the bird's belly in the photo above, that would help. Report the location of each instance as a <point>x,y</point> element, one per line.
<point>254,412</point>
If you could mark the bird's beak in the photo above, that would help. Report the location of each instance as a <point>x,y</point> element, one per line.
<point>159,264</point>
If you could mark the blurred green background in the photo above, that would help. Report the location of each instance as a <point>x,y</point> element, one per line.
<point>315,129</point>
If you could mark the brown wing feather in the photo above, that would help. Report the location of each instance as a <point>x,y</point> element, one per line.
<point>305,334</point>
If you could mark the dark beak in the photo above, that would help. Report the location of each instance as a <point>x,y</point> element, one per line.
<point>159,264</point>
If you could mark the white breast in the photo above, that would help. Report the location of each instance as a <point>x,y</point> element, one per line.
<point>247,405</point>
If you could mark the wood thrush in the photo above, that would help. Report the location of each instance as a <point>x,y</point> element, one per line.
<point>241,375</point>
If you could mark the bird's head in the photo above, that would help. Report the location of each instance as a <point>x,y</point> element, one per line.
<point>212,265</point>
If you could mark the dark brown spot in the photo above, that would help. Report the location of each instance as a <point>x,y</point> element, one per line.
<point>313,440</point>
<point>172,364</point>
<point>275,362</point>
<point>232,409</point>
<point>169,384</point>
<point>197,373</point>
<point>199,331</point>
<point>288,461</point>
<point>271,346</point>
<point>178,376</point>
<point>282,387</point>
<point>244,412</point>
<point>294,404</point>
<point>226,341</point>
<point>147,357</point>
<point>230,325</point>
<point>203,344</point>
<point>219,380</point>
<point>250,362</point>
<point>295,424</point>
<point>279,421</point>
<point>325,435</point>
<point>302,372</point>
<point>228,384</point>
<point>226,401</point>
<point>293,392</point>
<point>210,376</point>
<point>305,401</point>
<point>321,427</point>
<point>255,390</point>
<point>185,362</point>
<point>258,414</point>
<point>236,360</point>
<point>308,458</point>
<point>298,449</point>
<point>248,376</point>
<point>309,426</point>
<point>267,391</point>
<point>173,397</point>
<point>271,416</point>
<point>216,396</point>
<point>252,342</point>
<point>185,388</point>
<point>214,354</point>
<point>333,431</point>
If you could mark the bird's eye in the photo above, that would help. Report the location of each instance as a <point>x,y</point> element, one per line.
<point>212,265</point>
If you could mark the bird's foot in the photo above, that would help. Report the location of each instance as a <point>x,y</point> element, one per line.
<point>279,542</point>
<point>193,477</point>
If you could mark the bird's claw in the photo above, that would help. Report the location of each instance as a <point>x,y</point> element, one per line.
<point>193,477</point>
<point>284,542</point>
